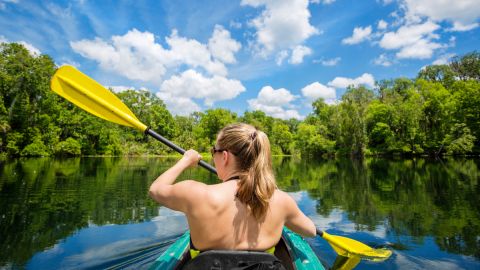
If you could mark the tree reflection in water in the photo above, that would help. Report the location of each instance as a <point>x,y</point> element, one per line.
<point>44,200</point>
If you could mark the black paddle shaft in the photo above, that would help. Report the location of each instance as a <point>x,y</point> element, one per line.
<point>178,149</point>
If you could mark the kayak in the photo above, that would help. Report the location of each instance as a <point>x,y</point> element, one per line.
<point>292,251</point>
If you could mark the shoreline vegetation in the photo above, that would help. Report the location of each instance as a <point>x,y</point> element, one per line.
<point>435,114</point>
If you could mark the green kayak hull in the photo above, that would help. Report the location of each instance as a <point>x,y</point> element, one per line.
<point>292,250</point>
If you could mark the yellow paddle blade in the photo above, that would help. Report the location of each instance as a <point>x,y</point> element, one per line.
<point>89,95</point>
<point>345,263</point>
<point>348,247</point>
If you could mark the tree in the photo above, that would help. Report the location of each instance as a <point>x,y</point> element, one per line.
<point>467,67</point>
<point>353,133</point>
<point>438,73</point>
<point>466,98</point>
<point>281,137</point>
<point>310,142</point>
<point>259,120</point>
<point>460,141</point>
<point>212,121</point>
<point>437,110</point>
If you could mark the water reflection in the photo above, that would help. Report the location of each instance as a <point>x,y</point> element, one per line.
<point>56,212</point>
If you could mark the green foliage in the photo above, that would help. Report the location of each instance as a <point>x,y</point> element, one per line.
<point>353,129</point>
<point>460,140</point>
<point>212,121</point>
<point>281,137</point>
<point>437,113</point>
<point>309,141</point>
<point>467,67</point>
<point>35,149</point>
<point>380,136</point>
<point>69,147</point>
<point>438,73</point>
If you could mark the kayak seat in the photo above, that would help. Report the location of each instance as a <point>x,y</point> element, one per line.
<point>234,260</point>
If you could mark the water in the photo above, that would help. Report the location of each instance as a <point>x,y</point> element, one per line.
<point>94,213</point>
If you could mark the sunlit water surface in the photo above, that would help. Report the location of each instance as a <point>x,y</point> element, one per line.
<point>94,213</point>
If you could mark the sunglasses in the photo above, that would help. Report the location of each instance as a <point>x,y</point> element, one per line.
<point>215,150</point>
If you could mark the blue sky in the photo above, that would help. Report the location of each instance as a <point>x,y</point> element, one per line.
<point>272,55</point>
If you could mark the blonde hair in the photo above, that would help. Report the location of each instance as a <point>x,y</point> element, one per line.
<point>252,150</point>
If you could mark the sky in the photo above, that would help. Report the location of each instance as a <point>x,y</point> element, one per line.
<point>277,56</point>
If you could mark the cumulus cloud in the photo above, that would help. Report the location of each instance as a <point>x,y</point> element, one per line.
<point>179,105</point>
<point>199,69</point>
<point>222,46</point>
<point>276,103</point>
<point>460,27</point>
<point>463,14</point>
<point>298,53</point>
<point>137,56</point>
<point>329,62</point>
<point>413,41</point>
<point>178,92</point>
<point>280,57</point>
<point>443,59</point>
<point>281,25</point>
<point>343,82</point>
<point>359,34</point>
<point>382,25</point>
<point>382,60</point>
<point>317,90</point>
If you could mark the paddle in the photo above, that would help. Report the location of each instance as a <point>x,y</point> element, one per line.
<point>347,247</point>
<point>89,95</point>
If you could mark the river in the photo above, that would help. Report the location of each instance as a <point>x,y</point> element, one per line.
<point>95,213</point>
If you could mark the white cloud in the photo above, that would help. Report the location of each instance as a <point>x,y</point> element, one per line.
<point>235,24</point>
<point>179,105</point>
<point>422,49</point>
<point>280,57</point>
<point>34,51</point>
<point>193,53</point>
<point>276,103</point>
<point>137,56</point>
<point>382,25</point>
<point>443,59</point>
<point>329,62</point>
<point>222,46</point>
<point>281,25</point>
<point>298,53</point>
<point>343,82</point>
<point>317,90</point>
<point>382,60</point>
<point>413,41</point>
<point>460,27</point>
<point>460,13</point>
<point>179,91</point>
<point>359,34</point>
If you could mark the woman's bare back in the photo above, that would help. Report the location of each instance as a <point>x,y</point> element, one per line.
<point>220,221</point>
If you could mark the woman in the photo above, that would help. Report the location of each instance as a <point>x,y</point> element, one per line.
<point>245,211</point>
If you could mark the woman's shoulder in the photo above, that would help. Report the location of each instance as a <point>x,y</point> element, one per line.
<point>282,198</point>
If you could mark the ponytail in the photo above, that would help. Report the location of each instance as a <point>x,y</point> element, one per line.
<point>252,150</point>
